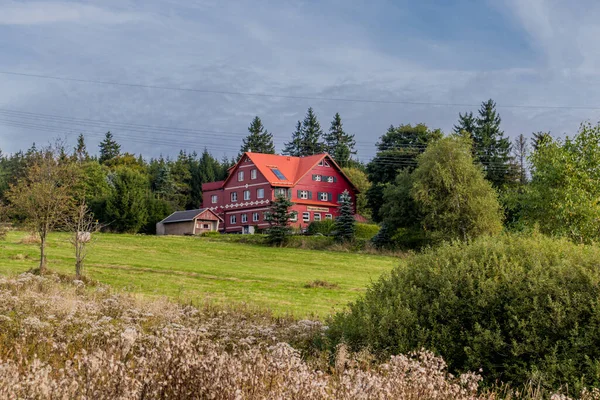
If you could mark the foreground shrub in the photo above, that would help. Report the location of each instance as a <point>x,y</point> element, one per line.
<point>520,308</point>
<point>71,342</point>
<point>366,231</point>
<point>324,227</point>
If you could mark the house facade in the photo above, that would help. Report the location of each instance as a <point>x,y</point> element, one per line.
<point>313,184</point>
<point>189,222</point>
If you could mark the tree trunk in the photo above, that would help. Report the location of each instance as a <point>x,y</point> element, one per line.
<point>42,253</point>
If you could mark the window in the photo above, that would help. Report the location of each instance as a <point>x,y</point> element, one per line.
<point>305,216</point>
<point>317,178</point>
<point>339,200</point>
<point>328,216</point>
<point>325,163</point>
<point>214,199</point>
<point>317,216</point>
<point>331,179</point>
<point>246,195</point>
<point>304,194</point>
<point>278,174</point>
<point>233,219</point>
<point>255,217</point>
<point>206,226</point>
<point>280,192</point>
<point>244,218</point>
<point>260,193</point>
<point>294,216</point>
<point>253,174</point>
<point>266,216</point>
<point>324,196</point>
<point>320,163</point>
<point>240,176</point>
<point>233,196</point>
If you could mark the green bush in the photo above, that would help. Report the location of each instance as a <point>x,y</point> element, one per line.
<point>519,307</point>
<point>325,227</point>
<point>211,234</point>
<point>366,231</point>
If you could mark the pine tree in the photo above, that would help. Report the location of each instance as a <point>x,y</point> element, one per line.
<point>164,186</point>
<point>540,138</point>
<point>339,144</point>
<point>311,134</point>
<point>279,221</point>
<point>345,224</point>
<point>109,148</point>
<point>80,151</point>
<point>520,150</point>
<point>466,123</point>
<point>294,147</point>
<point>259,140</point>
<point>492,149</point>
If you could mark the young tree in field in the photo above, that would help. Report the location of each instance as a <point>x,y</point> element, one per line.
<point>109,148</point>
<point>345,224</point>
<point>259,140</point>
<point>44,196</point>
<point>452,194</point>
<point>83,226</point>
<point>279,221</point>
<point>294,147</point>
<point>338,143</point>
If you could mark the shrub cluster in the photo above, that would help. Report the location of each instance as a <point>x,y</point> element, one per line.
<point>521,308</point>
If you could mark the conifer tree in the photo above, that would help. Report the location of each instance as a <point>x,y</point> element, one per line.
<point>466,123</point>
<point>345,224</point>
<point>311,134</point>
<point>339,144</point>
<point>109,148</point>
<point>520,150</point>
<point>492,149</point>
<point>294,147</point>
<point>279,221</point>
<point>164,184</point>
<point>259,140</point>
<point>540,138</point>
<point>80,153</point>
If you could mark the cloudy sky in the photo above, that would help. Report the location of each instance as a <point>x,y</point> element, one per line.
<point>420,61</point>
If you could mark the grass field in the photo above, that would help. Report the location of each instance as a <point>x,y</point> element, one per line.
<point>194,270</point>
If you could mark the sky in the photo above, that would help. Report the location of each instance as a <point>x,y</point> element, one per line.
<point>192,74</point>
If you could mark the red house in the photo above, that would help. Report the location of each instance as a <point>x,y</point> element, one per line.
<point>314,184</point>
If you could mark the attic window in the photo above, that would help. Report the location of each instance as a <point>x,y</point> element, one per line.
<point>278,174</point>
<point>325,163</point>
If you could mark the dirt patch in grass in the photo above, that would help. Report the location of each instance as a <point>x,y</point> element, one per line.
<point>321,284</point>
<point>20,257</point>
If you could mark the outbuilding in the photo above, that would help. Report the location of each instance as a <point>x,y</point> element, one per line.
<point>189,222</point>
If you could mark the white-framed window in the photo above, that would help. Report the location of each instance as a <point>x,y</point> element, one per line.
<point>320,164</point>
<point>316,178</point>
<point>240,176</point>
<point>246,195</point>
<point>294,216</point>
<point>324,196</point>
<point>328,216</point>
<point>330,179</point>
<point>303,194</point>
<point>325,163</point>
<point>233,196</point>
<point>305,216</point>
<point>316,216</point>
<point>255,217</point>
<point>260,193</point>
<point>280,192</point>
<point>214,199</point>
<point>266,215</point>
<point>253,174</point>
<point>233,219</point>
<point>244,218</point>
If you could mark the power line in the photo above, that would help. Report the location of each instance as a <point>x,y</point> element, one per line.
<point>295,97</point>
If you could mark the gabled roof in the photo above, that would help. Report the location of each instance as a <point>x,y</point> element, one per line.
<point>185,216</point>
<point>292,168</point>
<point>212,186</point>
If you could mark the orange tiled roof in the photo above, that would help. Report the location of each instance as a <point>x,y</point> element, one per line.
<point>292,168</point>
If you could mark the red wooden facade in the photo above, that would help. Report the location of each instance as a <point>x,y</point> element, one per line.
<point>312,183</point>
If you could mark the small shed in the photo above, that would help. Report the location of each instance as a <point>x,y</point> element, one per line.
<point>190,222</point>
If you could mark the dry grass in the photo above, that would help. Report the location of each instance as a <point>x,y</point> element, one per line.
<point>321,284</point>
<point>31,238</point>
<point>65,341</point>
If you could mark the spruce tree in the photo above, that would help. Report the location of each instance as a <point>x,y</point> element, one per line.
<point>492,149</point>
<point>294,147</point>
<point>109,148</point>
<point>466,123</point>
<point>279,221</point>
<point>311,135</point>
<point>339,144</point>
<point>80,153</point>
<point>259,140</point>
<point>345,224</point>
<point>541,138</point>
<point>164,186</point>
